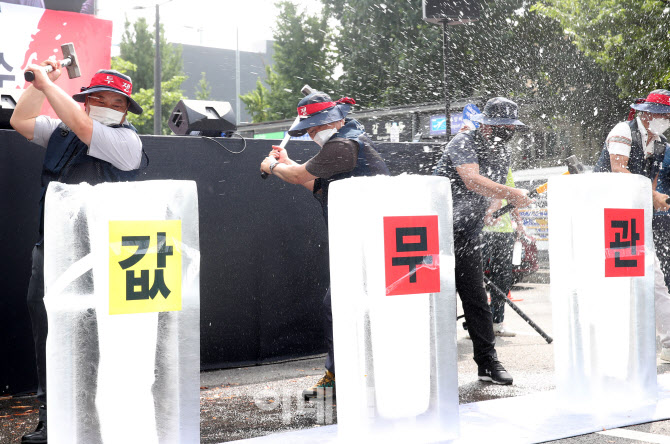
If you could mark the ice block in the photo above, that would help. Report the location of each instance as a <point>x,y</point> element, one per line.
<point>394,308</point>
<point>121,275</point>
<point>601,257</point>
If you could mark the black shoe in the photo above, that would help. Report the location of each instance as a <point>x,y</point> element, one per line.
<point>494,372</point>
<point>39,436</point>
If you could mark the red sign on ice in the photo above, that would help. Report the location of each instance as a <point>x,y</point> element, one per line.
<point>624,242</point>
<point>411,252</point>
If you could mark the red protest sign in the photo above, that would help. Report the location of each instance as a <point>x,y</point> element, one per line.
<point>624,242</point>
<point>411,252</point>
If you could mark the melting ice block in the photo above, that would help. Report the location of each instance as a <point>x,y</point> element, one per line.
<point>394,308</point>
<point>602,288</point>
<point>121,274</point>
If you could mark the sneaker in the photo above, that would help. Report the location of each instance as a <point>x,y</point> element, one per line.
<point>326,382</point>
<point>494,372</point>
<point>500,330</point>
<point>665,354</point>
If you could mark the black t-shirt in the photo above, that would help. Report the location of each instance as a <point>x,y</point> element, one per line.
<point>469,207</point>
<point>338,155</point>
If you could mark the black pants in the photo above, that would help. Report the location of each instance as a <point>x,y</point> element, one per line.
<point>470,288</point>
<point>38,319</point>
<point>328,332</point>
<point>497,248</point>
<point>661,224</point>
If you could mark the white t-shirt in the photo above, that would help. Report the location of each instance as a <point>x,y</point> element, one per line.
<point>121,147</point>
<point>620,140</point>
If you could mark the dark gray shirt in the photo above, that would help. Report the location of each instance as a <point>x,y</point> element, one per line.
<point>338,155</point>
<point>469,207</point>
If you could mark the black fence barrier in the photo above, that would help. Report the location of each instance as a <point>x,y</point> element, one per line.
<point>263,245</point>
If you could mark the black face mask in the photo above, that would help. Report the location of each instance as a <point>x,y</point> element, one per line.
<point>501,134</point>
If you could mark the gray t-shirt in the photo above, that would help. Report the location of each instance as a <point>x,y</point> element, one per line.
<point>470,147</point>
<point>121,147</point>
<point>338,155</point>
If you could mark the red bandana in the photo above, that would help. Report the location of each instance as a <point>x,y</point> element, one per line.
<point>658,98</point>
<point>313,108</point>
<point>103,79</point>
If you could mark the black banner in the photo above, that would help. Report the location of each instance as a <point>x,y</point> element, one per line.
<point>263,243</point>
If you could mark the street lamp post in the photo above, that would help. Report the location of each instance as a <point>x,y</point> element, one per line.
<point>198,28</point>
<point>157,77</point>
<point>237,74</point>
<point>157,71</point>
<point>447,95</point>
<point>443,13</point>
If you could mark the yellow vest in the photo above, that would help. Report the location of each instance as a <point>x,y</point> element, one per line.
<point>504,224</point>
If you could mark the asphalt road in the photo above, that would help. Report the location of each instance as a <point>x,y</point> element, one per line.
<point>256,401</point>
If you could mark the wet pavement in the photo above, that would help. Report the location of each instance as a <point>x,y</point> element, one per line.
<point>255,401</point>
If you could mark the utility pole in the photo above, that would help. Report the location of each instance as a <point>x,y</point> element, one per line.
<point>157,77</point>
<point>447,95</point>
<point>237,75</point>
<point>447,13</point>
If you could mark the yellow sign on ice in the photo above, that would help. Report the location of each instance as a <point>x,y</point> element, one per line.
<point>144,266</point>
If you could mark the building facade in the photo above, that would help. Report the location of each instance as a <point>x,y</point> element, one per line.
<point>220,68</point>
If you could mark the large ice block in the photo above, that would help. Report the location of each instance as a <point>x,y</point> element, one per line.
<point>394,308</point>
<point>601,256</point>
<point>121,274</point>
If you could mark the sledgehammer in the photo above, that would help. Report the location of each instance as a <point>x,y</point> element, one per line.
<point>574,167</point>
<point>69,61</point>
<point>306,90</point>
<point>523,315</point>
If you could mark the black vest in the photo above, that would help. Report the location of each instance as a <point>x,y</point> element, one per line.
<point>368,163</point>
<point>66,161</point>
<point>637,163</point>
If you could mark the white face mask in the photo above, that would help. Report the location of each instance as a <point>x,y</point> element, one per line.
<point>324,136</point>
<point>106,116</point>
<point>658,126</point>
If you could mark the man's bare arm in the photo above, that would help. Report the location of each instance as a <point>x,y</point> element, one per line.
<point>289,171</point>
<point>65,107</point>
<point>486,187</point>
<point>619,163</point>
<point>26,111</point>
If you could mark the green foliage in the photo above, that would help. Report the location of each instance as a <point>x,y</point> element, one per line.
<point>302,56</point>
<point>626,37</point>
<point>203,91</point>
<point>170,96</point>
<point>521,54</point>
<point>257,102</point>
<point>123,66</point>
<point>390,56</point>
<point>137,61</point>
<point>137,46</point>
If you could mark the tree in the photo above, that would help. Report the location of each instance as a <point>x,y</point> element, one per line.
<point>390,56</point>
<point>626,37</point>
<point>170,96</point>
<point>518,53</point>
<point>258,102</point>
<point>137,61</point>
<point>137,46</point>
<point>302,56</point>
<point>203,91</point>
